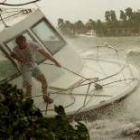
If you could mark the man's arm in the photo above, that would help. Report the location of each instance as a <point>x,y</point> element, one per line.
<point>13,55</point>
<point>48,56</point>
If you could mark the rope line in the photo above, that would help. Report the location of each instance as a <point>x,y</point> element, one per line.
<point>22,4</point>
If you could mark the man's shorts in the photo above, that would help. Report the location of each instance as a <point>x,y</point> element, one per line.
<point>28,74</point>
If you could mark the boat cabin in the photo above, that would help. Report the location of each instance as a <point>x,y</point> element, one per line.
<point>36,27</point>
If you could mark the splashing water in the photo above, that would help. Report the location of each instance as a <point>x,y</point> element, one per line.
<point>119,121</point>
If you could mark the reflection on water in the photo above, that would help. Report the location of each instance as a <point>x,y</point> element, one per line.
<point>120,121</point>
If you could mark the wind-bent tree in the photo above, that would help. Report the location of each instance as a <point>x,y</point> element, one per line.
<point>90,25</point>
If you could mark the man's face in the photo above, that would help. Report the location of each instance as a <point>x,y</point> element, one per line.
<point>22,44</point>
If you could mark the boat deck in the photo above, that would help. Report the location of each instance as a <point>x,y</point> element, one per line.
<point>77,93</point>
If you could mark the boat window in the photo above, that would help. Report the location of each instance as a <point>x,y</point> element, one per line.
<point>7,68</point>
<point>11,44</point>
<point>48,36</point>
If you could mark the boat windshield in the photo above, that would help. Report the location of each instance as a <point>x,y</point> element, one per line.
<point>48,36</point>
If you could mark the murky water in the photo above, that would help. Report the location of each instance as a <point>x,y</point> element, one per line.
<point>120,121</point>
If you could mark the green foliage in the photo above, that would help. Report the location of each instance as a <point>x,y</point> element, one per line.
<point>22,120</point>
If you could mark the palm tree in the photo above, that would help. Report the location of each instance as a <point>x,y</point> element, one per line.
<point>114,21</point>
<point>60,22</point>
<point>90,25</point>
<point>79,26</point>
<point>129,13</point>
<point>69,28</point>
<point>61,25</point>
<point>122,15</point>
<point>107,16</point>
<point>68,24</point>
<point>123,19</point>
<point>113,16</point>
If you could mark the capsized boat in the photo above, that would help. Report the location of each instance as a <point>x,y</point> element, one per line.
<point>97,77</point>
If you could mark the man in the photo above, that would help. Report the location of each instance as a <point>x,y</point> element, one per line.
<point>24,53</point>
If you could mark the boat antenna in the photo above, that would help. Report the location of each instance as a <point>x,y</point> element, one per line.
<point>22,4</point>
<point>5,25</point>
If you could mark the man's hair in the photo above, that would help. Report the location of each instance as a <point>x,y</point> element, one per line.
<point>20,38</point>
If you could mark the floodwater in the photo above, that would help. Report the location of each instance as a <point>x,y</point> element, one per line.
<point>121,120</point>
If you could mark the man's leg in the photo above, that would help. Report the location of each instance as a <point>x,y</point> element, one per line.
<point>41,78</point>
<point>27,83</point>
<point>28,91</point>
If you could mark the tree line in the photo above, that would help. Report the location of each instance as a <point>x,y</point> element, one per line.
<point>128,22</point>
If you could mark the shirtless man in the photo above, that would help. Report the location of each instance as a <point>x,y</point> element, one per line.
<point>24,53</point>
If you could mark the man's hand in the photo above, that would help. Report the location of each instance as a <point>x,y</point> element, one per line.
<point>48,56</point>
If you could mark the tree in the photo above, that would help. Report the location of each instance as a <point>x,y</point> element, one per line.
<point>113,16</point>
<point>22,120</point>
<point>99,28</point>
<point>68,24</point>
<point>129,13</point>
<point>69,28</point>
<point>114,21</point>
<point>136,21</point>
<point>60,22</point>
<point>90,25</point>
<point>79,26</point>
<point>107,16</point>
<point>61,25</point>
<point>122,16</point>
